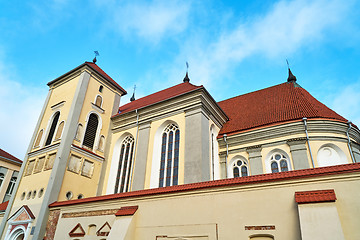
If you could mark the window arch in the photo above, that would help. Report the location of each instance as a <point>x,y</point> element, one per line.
<point>330,155</point>
<point>124,168</point>
<point>277,161</point>
<point>52,128</point>
<point>169,161</point>
<point>38,139</point>
<point>91,131</point>
<point>238,168</point>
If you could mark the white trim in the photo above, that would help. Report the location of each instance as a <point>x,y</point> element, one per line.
<point>16,232</point>
<point>235,159</point>
<point>156,159</point>
<point>43,141</point>
<point>102,100</point>
<point>98,130</point>
<point>213,133</point>
<point>268,160</point>
<point>115,163</point>
<point>57,128</point>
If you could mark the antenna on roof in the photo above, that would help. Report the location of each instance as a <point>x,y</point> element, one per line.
<point>133,96</point>
<point>291,77</point>
<point>186,78</point>
<point>96,54</point>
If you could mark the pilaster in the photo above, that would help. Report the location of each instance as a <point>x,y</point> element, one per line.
<point>141,157</point>
<point>299,153</point>
<point>255,160</point>
<point>197,149</point>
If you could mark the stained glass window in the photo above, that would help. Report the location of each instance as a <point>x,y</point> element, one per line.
<point>239,168</point>
<point>123,179</point>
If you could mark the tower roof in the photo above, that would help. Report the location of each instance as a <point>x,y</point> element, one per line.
<point>157,97</point>
<point>280,103</point>
<point>97,69</point>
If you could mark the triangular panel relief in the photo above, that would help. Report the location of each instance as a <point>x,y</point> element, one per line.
<point>77,231</point>
<point>104,230</point>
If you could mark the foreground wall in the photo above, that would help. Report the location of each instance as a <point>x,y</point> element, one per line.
<point>255,207</point>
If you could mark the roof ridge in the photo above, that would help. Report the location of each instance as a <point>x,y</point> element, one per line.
<point>262,89</point>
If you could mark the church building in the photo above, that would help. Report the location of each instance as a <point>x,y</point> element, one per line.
<point>178,165</point>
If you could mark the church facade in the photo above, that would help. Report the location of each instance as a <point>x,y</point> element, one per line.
<point>271,164</point>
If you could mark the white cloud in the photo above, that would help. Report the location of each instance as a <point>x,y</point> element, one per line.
<point>347,102</point>
<point>287,27</point>
<point>151,21</point>
<point>19,112</point>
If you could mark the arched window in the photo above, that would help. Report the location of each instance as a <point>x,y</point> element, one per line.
<point>52,128</point>
<point>98,101</point>
<point>124,168</point>
<point>90,132</point>
<point>169,162</point>
<point>59,130</point>
<point>38,139</point>
<point>330,155</point>
<point>214,153</point>
<point>238,168</point>
<point>279,162</point>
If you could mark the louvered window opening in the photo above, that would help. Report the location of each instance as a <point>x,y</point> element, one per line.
<point>91,130</point>
<point>122,183</point>
<point>52,128</point>
<point>169,162</point>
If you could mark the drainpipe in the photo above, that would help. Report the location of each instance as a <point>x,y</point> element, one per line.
<point>307,139</point>
<point>227,154</point>
<point>348,137</point>
<point>135,149</point>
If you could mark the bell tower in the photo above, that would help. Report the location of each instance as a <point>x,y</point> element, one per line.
<point>66,156</point>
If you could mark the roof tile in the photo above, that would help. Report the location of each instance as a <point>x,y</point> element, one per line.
<point>9,156</point>
<point>255,179</point>
<point>315,196</point>
<point>127,211</point>
<point>160,96</point>
<point>279,103</point>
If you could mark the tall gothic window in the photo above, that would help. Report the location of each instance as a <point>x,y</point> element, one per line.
<point>169,163</point>
<point>52,128</point>
<point>125,162</point>
<point>90,132</point>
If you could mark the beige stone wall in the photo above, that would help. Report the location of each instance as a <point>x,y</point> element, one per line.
<point>233,212</point>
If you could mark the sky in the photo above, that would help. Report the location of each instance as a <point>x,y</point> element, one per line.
<point>232,47</point>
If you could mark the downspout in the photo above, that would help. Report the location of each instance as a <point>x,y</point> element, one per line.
<point>308,142</point>
<point>227,154</point>
<point>348,137</point>
<point>135,149</point>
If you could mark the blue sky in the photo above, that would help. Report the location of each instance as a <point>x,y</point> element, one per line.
<point>233,47</point>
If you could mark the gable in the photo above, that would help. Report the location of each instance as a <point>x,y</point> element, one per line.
<point>23,214</point>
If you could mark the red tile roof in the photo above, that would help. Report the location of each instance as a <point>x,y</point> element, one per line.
<point>276,104</point>
<point>127,211</point>
<point>101,72</point>
<point>271,177</point>
<point>7,155</point>
<point>315,196</point>
<point>157,97</point>
<point>95,68</point>
<point>3,206</point>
